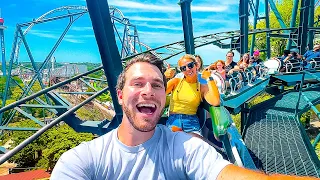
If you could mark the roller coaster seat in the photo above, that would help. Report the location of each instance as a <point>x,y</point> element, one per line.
<point>220,82</point>
<point>293,65</point>
<point>315,63</point>
<point>273,65</point>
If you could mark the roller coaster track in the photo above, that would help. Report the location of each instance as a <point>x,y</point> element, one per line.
<point>173,49</point>
<point>129,45</point>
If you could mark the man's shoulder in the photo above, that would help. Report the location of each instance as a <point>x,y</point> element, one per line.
<point>92,147</point>
<point>103,140</point>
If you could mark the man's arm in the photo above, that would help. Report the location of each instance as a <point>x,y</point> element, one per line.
<point>232,172</point>
<point>287,58</point>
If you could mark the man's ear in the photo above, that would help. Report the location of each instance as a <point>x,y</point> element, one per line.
<point>119,94</point>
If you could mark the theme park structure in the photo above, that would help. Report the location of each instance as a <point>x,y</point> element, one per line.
<point>271,137</point>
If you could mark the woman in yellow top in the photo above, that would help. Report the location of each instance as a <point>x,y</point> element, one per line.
<point>186,95</point>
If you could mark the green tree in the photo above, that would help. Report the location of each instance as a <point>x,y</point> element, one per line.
<point>277,45</point>
<point>59,141</point>
<point>45,150</point>
<point>29,155</point>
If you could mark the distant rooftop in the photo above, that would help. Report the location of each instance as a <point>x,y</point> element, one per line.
<point>29,175</point>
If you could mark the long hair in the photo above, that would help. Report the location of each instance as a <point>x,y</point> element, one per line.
<point>241,60</point>
<point>214,65</point>
<point>198,56</point>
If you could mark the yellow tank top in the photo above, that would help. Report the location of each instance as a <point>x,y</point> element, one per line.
<point>185,98</point>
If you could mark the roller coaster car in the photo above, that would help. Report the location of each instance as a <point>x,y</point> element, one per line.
<point>239,79</point>
<point>251,75</point>
<point>273,65</point>
<point>293,65</point>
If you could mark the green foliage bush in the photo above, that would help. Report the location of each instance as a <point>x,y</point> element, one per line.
<point>45,151</point>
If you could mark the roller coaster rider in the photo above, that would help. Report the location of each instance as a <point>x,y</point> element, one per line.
<point>187,94</point>
<point>229,64</point>
<point>199,66</point>
<point>309,55</point>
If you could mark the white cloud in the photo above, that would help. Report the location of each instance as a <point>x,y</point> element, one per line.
<point>53,35</point>
<point>159,26</point>
<point>148,19</point>
<point>45,34</point>
<point>208,9</point>
<point>211,19</point>
<point>79,28</point>
<point>77,41</point>
<point>155,39</point>
<point>162,8</point>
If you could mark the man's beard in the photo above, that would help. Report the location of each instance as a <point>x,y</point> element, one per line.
<point>142,127</point>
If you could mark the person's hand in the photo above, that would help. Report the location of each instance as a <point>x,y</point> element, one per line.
<point>299,56</point>
<point>170,72</point>
<point>230,72</point>
<point>206,73</point>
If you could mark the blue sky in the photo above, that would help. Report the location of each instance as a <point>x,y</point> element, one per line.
<point>158,23</point>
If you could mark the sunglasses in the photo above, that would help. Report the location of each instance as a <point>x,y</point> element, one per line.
<point>190,66</point>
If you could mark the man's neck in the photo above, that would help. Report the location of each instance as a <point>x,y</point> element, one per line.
<point>129,136</point>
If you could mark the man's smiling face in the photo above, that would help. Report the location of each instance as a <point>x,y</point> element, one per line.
<point>143,96</point>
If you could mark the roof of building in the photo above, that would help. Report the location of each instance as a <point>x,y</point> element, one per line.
<point>30,175</point>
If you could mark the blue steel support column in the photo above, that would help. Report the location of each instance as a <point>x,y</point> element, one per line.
<point>103,30</point>
<point>311,23</point>
<point>303,26</point>
<point>243,16</point>
<point>39,77</point>
<point>267,27</point>
<point>187,25</point>
<point>255,19</point>
<point>293,20</point>
<point>276,13</point>
<point>6,90</point>
<point>2,28</point>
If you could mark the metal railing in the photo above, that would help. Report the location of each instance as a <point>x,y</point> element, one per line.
<point>309,103</point>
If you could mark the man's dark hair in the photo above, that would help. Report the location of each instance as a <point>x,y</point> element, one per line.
<point>148,58</point>
<point>230,52</point>
<point>286,52</point>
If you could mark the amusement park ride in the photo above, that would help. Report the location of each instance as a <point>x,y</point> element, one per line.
<point>271,137</point>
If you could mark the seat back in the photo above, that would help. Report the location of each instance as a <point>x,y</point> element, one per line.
<point>315,63</point>
<point>293,65</point>
<point>220,82</point>
<point>273,65</point>
<point>235,82</point>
